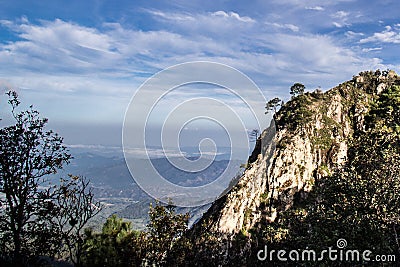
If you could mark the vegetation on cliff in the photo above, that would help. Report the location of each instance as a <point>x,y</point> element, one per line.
<point>356,199</point>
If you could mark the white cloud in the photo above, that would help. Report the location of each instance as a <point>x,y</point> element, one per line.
<point>315,52</point>
<point>389,35</point>
<point>183,17</point>
<point>54,47</point>
<point>232,15</point>
<point>340,14</point>
<point>172,16</point>
<point>337,24</point>
<point>341,18</point>
<point>64,56</point>
<point>212,29</point>
<point>316,8</point>
<point>351,34</point>
<point>372,49</point>
<point>291,27</point>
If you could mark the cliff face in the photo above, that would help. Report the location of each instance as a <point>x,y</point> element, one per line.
<point>308,139</point>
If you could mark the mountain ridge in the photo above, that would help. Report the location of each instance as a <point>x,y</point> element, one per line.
<point>311,140</point>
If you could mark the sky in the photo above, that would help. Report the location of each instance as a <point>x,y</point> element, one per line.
<point>80,62</point>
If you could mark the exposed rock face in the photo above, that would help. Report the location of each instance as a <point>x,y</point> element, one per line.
<point>277,174</point>
<point>293,156</point>
<point>244,198</point>
<point>392,74</point>
<point>381,87</point>
<point>359,79</point>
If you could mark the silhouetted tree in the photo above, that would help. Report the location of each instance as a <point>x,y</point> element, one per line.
<point>75,207</point>
<point>32,208</point>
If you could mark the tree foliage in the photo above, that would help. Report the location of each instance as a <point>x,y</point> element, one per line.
<point>165,230</point>
<point>360,202</point>
<point>385,111</point>
<point>116,245</point>
<point>162,243</point>
<point>296,114</point>
<point>273,104</point>
<point>75,206</point>
<point>38,218</point>
<point>297,89</point>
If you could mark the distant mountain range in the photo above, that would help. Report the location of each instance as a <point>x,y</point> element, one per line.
<point>112,182</point>
<point>111,172</point>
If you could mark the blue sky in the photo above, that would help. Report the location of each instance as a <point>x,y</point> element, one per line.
<point>79,62</point>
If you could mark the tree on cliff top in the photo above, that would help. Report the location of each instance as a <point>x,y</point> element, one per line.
<point>297,89</point>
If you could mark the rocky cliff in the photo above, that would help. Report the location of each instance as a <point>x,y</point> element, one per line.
<point>307,140</point>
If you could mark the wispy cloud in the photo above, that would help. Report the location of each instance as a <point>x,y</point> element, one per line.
<point>171,16</point>
<point>316,8</point>
<point>351,34</point>
<point>340,19</point>
<point>57,45</point>
<point>340,14</point>
<point>372,49</point>
<point>70,56</point>
<point>288,26</point>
